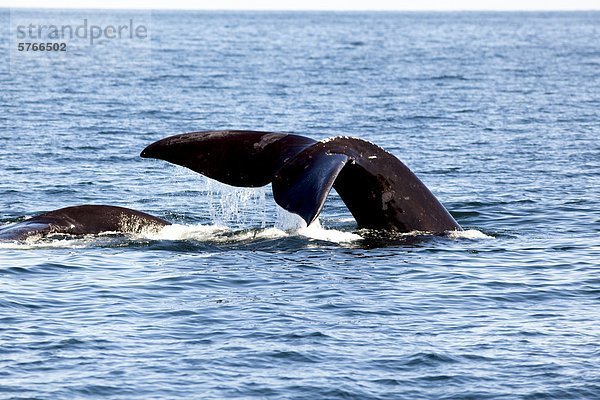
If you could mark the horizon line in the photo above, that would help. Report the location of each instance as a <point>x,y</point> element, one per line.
<point>442,10</point>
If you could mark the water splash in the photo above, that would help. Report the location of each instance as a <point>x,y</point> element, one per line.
<point>468,234</point>
<point>316,231</point>
<point>197,232</point>
<point>294,224</point>
<point>219,233</point>
<point>58,241</point>
<point>234,206</point>
<point>289,222</point>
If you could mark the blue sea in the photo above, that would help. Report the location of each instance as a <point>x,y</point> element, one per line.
<point>497,113</point>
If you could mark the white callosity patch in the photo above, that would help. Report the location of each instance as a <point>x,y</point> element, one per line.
<point>386,197</point>
<point>266,140</point>
<point>327,140</point>
<point>134,224</point>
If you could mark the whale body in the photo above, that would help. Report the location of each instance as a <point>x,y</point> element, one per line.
<point>379,190</point>
<point>83,220</point>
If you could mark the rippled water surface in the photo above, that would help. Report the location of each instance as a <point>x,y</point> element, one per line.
<point>496,113</point>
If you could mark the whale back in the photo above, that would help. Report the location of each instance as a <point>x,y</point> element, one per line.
<point>84,220</point>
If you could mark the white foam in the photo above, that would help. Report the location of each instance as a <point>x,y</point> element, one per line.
<point>294,224</point>
<point>38,242</point>
<point>212,233</point>
<point>316,231</point>
<point>288,221</point>
<point>197,232</point>
<point>221,233</point>
<point>185,232</point>
<point>269,233</point>
<point>468,234</point>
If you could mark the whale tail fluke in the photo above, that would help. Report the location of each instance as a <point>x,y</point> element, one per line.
<point>236,158</point>
<point>378,189</point>
<point>302,185</point>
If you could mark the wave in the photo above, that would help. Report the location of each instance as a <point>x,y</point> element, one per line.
<point>287,225</point>
<point>219,235</point>
<point>196,233</point>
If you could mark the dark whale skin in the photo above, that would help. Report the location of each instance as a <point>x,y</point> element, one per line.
<point>83,220</point>
<point>379,190</point>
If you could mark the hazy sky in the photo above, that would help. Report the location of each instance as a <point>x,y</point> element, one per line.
<point>314,4</point>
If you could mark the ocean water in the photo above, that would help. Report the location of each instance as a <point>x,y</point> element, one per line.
<point>498,113</point>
